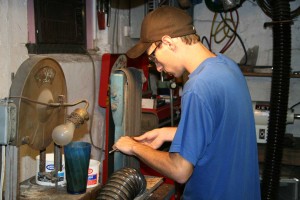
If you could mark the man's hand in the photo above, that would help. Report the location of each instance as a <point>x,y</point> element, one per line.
<point>151,138</point>
<point>125,144</point>
<point>156,137</point>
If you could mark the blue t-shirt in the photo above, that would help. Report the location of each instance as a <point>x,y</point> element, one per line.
<point>217,135</point>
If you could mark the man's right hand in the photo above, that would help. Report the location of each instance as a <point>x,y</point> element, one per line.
<point>156,137</point>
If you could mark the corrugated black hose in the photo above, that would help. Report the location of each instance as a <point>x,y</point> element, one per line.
<point>281,24</point>
<point>124,184</point>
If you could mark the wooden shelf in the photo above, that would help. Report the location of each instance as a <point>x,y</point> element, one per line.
<point>250,71</point>
<point>267,74</point>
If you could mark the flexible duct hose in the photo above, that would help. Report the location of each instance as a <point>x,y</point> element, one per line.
<point>124,184</point>
<point>279,97</point>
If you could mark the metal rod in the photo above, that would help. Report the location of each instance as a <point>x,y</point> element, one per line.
<point>57,162</point>
<point>111,151</point>
<point>297,116</point>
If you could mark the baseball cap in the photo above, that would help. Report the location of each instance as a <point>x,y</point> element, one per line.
<point>165,20</point>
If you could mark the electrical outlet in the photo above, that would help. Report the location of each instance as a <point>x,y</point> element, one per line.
<point>7,121</point>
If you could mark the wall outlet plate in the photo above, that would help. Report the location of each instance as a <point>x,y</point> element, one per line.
<point>261,133</point>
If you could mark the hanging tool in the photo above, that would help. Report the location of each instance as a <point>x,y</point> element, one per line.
<point>108,13</point>
<point>103,7</point>
<point>101,14</point>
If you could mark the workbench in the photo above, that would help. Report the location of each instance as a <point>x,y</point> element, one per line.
<point>29,190</point>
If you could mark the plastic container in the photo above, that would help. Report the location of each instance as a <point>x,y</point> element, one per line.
<point>49,166</point>
<point>77,160</point>
<point>93,173</point>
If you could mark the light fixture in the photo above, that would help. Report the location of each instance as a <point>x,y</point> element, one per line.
<point>63,134</point>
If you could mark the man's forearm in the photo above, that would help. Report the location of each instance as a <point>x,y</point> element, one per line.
<point>171,165</point>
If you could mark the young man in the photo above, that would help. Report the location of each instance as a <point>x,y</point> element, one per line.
<point>213,150</point>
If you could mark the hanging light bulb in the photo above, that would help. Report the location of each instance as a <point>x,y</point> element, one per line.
<point>63,134</point>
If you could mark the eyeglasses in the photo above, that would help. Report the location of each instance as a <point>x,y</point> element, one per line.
<point>152,57</point>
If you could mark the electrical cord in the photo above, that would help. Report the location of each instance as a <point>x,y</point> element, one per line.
<point>94,99</point>
<point>267,9</point>
<point>211,29</point>
<point>295,13</point>
<point>115,29</point>
<point>223,27</point>
<point>225,31</point>
<point>295,105</point>
<point>232,39</point>
<point>265,6</point>
<point>52,104</point>
<point>242,43</point>
<point>204,38</point>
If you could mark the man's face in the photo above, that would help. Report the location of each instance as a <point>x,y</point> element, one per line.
<point>165,59</point>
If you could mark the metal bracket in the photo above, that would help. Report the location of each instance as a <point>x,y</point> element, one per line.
<point>8,112</point>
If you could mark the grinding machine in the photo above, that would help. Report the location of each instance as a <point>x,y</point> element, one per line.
<point>36,106</point>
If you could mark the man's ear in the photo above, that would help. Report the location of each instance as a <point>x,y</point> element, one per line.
<point>167,40</point>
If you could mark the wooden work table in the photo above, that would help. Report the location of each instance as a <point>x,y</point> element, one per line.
<point>29,190</point>
<point>164,192</point>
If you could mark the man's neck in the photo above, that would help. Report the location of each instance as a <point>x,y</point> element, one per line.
<point>195,55</point>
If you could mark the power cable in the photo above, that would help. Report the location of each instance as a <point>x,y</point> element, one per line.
<point>222,27</point>
<point>204,38</point>
<point>93,102</point>
<point>242,43</point>
<point>232,38</point>
<point>295,105</point>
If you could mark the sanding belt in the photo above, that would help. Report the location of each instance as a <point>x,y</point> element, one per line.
<point>132,108</point>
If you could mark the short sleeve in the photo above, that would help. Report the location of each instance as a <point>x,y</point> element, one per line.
<point>194,131</point>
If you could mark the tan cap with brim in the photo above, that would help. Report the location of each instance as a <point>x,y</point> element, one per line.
<point>162,21</point>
